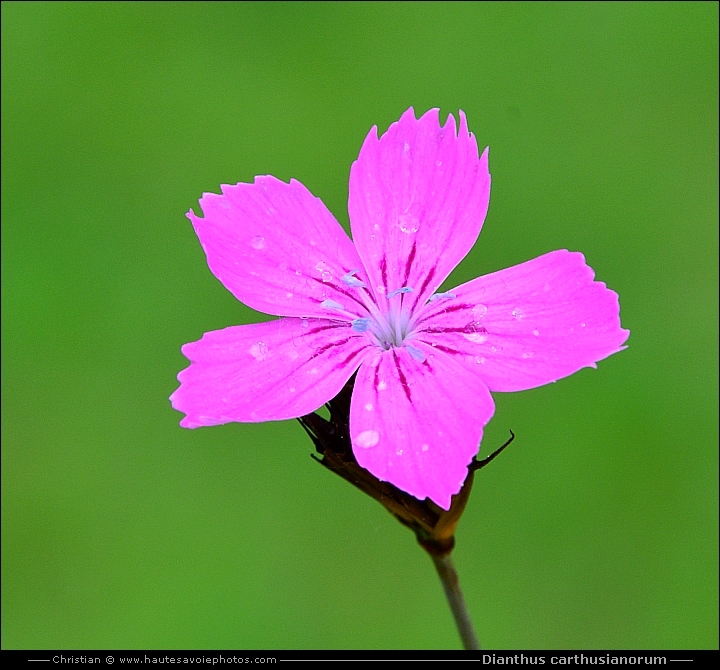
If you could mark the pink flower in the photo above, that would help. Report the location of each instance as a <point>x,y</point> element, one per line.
<point>426,362</point>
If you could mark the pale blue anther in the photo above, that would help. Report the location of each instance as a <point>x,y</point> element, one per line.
<point>442,296</point>
<point>415,353</point>
<point>352,281</point>
<point>398,291</point>
<point>331,304</point>
<point>360,325</point>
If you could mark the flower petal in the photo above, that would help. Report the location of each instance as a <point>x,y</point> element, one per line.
<point>530,324</point>
<point>418,425</point>
<point>281,369</point>
<point>418,199</point>
<point>277,248</point>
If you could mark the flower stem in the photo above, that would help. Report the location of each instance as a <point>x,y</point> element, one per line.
<point>449,578</point>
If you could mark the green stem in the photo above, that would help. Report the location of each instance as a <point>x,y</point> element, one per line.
<point>448,577</point>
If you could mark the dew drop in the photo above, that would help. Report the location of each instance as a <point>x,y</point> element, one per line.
<point>367,439</point>
<point>259,351</point>
<point>480,359</point>
<point>399,452</point>
<point>321,266</point>
<point>326,276</point>
<point>536,332</point>
<point>517,314</point>
<point>528,354</point>
<point>479,311</point>
<point>369,407</point>
<point>425,447</point>
<point>304,323</point>
<point>582,325</point>
<point>288,295</point>
<point>292,389</point>
<point>257,242</point>
<point>408,223</point>
<point>382,386</point>
<point>475,332</point>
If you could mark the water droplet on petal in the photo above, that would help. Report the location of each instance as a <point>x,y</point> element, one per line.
<point>382,386</point>
<point>582,325</point>
<point>425,447</point>
<point>475,332</point>
<point>479,311</point>
<point>367,439</point>
<point>528,354</point>
<point>480,359</point>
<point>288,295</point>
<point>408,223</point>
<point>517,314</point>
<point>369,407</point>
<point>257,242</point>
<point>259,351</point>
<point>292,389</point>
<point>326,276</point>
<point>536,332</point>
<point>399,452</point>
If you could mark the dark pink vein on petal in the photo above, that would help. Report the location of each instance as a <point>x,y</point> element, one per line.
<point>409,263</point>
<point>403,378</point>
<point>427,281</point>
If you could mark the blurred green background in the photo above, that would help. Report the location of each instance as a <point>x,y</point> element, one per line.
<point>596,529</point>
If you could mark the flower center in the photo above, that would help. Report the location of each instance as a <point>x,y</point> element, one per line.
<point>389,325</point>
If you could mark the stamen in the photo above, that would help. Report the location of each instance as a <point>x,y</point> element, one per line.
<point>332,304</point>
<point>416,353</point>
<point>441,296</point>
<point>352,281</point>
<point>360,325</point>
<point>398,291</point>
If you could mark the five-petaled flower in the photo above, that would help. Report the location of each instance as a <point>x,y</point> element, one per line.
<point>425,361</point>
